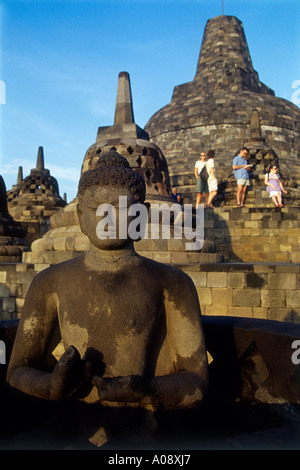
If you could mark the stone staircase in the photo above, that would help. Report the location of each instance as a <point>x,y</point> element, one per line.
<point>256,195</point>
<point>255,234</point>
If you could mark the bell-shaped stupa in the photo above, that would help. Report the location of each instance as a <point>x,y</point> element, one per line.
<point>217,110</point>
<point>35,198</point>
<point>12,234</point>
<point>129,140</point>
<point>65,240</point>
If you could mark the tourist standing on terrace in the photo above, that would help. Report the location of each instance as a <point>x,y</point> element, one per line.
<point>240,168</point>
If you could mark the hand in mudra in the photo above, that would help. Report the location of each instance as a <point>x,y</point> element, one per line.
<point>132,388</point>
<point>70,374</point>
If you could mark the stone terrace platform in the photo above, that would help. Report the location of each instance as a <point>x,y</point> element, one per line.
<point>255,234</point>
<point>253,402</point>
<point>254,273</point>
<point>252,290</point>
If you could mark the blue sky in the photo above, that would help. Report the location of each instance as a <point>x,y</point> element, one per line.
<point>60,61</point>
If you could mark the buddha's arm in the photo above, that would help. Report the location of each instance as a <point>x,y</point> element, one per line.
<point>27,371</point>
<point>59,384</point>
<point>187,386</point>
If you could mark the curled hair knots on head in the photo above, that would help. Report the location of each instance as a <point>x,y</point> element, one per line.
<point>113,169</point>
<point>112,159</point>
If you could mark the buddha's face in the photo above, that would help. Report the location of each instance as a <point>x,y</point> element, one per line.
<point>102,219</point>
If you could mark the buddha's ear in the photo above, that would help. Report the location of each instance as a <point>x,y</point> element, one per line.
<point>80,217</point>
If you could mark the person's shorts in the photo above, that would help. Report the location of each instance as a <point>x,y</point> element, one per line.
<point>243,182</point>
<point>213,185</point>
<point>201,186</point>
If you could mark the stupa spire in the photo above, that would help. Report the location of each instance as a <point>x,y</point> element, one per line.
<point>20,176</point>
<point>224,62</point>
<point>40,159</point>
<point>124,125</point>
<point>224,41</point>
<point>124,108</point>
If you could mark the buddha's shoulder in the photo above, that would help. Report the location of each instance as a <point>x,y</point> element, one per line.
<point>65,268</point>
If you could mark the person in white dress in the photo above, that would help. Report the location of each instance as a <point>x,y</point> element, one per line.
<point>212,179</point>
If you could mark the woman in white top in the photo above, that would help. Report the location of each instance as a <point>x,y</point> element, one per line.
<point>212,180</point>
<point>274,186</point>
<point>201,183</point>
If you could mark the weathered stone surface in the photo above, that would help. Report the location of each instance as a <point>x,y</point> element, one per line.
<point>117,314</point>
<point>247,290</point>
<point>146,158</point>
<point>225,107</point>
<point>254,402</point>
<point>35,198</point>
<point>254,234</point>
<point>15,280</point>
<point>257,355</point>
<point>12,234</point>
<point>133,143</point>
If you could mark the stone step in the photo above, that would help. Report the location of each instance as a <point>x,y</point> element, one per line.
<point>182,257</point>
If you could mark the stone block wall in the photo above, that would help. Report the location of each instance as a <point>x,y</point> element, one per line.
<point>255,234</point>
<point>258,290</point>
<point>260,277</point>
<point>199,122</point>
<point>15,278</point>
<point>252,290</point>
<point>214,110</point>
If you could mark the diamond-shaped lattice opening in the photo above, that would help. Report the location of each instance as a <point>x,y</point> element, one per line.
<point>148,174</point>
<point>139,161</point>
<point>144,151</point>
<point>130,150</point>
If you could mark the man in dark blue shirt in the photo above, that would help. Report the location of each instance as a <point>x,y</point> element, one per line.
<point>176,195</point>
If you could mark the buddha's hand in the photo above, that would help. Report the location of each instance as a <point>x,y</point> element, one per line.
<point>68,375</point>
<point>131,388</point>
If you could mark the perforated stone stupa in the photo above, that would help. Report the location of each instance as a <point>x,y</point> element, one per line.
<point>12,234</point>
<point>215,110</point>
<point>133,143</point>
<point>65,240</point>
<point>35,198</point>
